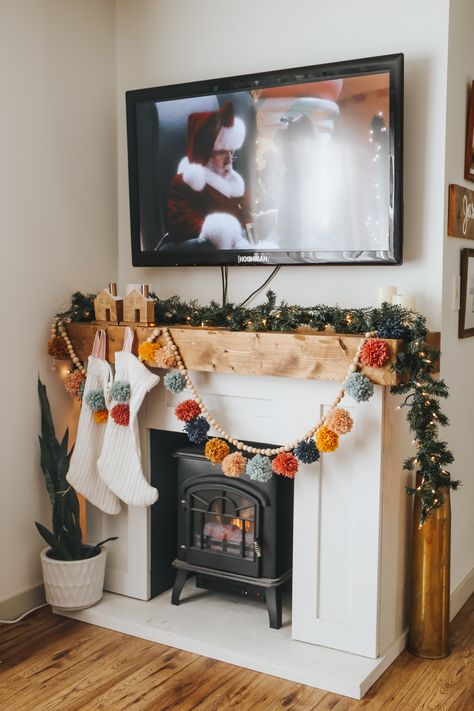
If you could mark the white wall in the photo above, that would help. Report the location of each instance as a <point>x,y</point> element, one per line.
<point>458,354</point>
<point>57,227</point>
<point>175,41</point>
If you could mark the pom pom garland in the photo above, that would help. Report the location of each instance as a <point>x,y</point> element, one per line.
<point>326,439</point>
<point>216,450</point>
<point>121,414</point>
<point>120,391</point>
<point>95,399</point>
<point>174,382</point>
<point>57,348</point>
<point>259,468</point>
<point>285,464</point>
<point>358,387</point>
<point>234,464</point>
<point>100,416</point>
<point>73,382</point>
<point>339,421</point>
<point>374,353</point>
<point>307,452</point>
<point>197,429</point>
<point>187,410</point>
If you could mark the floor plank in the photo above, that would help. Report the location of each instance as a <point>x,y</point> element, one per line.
<point>49,663</point>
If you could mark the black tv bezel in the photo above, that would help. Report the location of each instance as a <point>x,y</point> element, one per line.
<point>392,63</point>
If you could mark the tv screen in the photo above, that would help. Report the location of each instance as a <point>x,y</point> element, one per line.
<point>297,166</point>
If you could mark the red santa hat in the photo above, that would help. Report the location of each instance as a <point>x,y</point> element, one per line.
<point>213,131</point>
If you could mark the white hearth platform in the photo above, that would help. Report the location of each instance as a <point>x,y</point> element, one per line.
<point>236,631</point>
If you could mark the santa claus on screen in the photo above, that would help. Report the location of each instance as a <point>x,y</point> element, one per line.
<point>207,202</point>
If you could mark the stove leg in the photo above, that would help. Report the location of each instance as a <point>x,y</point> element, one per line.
<point>181,576</point>
<point>273,600</point>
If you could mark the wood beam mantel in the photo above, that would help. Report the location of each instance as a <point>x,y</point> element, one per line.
<point>299,354</point>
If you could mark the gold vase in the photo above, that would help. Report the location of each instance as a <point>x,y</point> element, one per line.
<point>429,607</point>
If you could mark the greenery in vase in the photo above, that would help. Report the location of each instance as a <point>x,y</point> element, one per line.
<point>65,540</point>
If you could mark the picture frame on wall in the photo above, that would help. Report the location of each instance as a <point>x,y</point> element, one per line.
<point>469,158</point>
<point>466,311</point>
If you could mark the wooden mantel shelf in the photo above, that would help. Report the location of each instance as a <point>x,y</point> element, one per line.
<point>299,354</point>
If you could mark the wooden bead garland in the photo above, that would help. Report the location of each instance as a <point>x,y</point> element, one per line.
<point>240,446</point>
<point>57,328</point>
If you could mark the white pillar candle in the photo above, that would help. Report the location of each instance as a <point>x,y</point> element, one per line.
<point>384,293</point>
<point>405,300</point>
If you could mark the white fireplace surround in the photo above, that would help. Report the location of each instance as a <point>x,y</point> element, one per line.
<point>350,521</point>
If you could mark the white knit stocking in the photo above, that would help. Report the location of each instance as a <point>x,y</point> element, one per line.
<point>82,474</point>
<point>119,464</point>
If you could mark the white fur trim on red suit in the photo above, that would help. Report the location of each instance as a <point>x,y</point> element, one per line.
<point>231,139</point>
<point>224,231</point>
<point>197,176</point>
<point>193,174</point>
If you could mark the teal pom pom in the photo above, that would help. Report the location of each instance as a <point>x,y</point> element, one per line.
<point>95,399</point>
<point>358,387</point>
<point>120,391</point>
<point>174,382</point>
<point>259,468</point>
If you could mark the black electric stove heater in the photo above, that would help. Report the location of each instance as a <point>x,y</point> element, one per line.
<point>234,534</point>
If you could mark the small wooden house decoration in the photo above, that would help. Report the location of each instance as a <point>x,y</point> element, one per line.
<point>139,307</point>
<point>108,307</point>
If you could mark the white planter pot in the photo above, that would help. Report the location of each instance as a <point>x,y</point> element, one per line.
<point>73,584</point>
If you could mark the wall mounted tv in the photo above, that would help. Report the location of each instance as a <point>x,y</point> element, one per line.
<point>296,166</point>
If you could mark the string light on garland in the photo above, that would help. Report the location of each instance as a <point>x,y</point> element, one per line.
<point>414,363</point>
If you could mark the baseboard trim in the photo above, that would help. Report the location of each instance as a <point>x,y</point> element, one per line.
<point>14,606</point>
<point>461,595</point>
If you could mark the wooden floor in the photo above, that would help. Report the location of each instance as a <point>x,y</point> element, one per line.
<point>50,662</point>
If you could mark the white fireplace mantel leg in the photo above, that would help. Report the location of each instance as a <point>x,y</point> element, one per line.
<point>336,558</point>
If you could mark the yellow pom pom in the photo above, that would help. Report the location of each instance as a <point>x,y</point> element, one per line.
<point>216,450</point>
<point>100,416</point>
<point>326,439</point>
<point>148,351</point>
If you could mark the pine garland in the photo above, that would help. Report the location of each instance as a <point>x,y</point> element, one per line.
<point>414,363</point>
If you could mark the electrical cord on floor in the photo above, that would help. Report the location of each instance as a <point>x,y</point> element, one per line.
<point>17,619</point>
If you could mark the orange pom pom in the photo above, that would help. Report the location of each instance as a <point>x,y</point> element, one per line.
<point>326,439</point>
<point>72,382</point>
<point>340,421</point>
<point>100,416</point>
<point>285,464</point>
<point>234,464</point>
<point>187,410</point>
<point>374,353</point>
<point>216,450</point>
